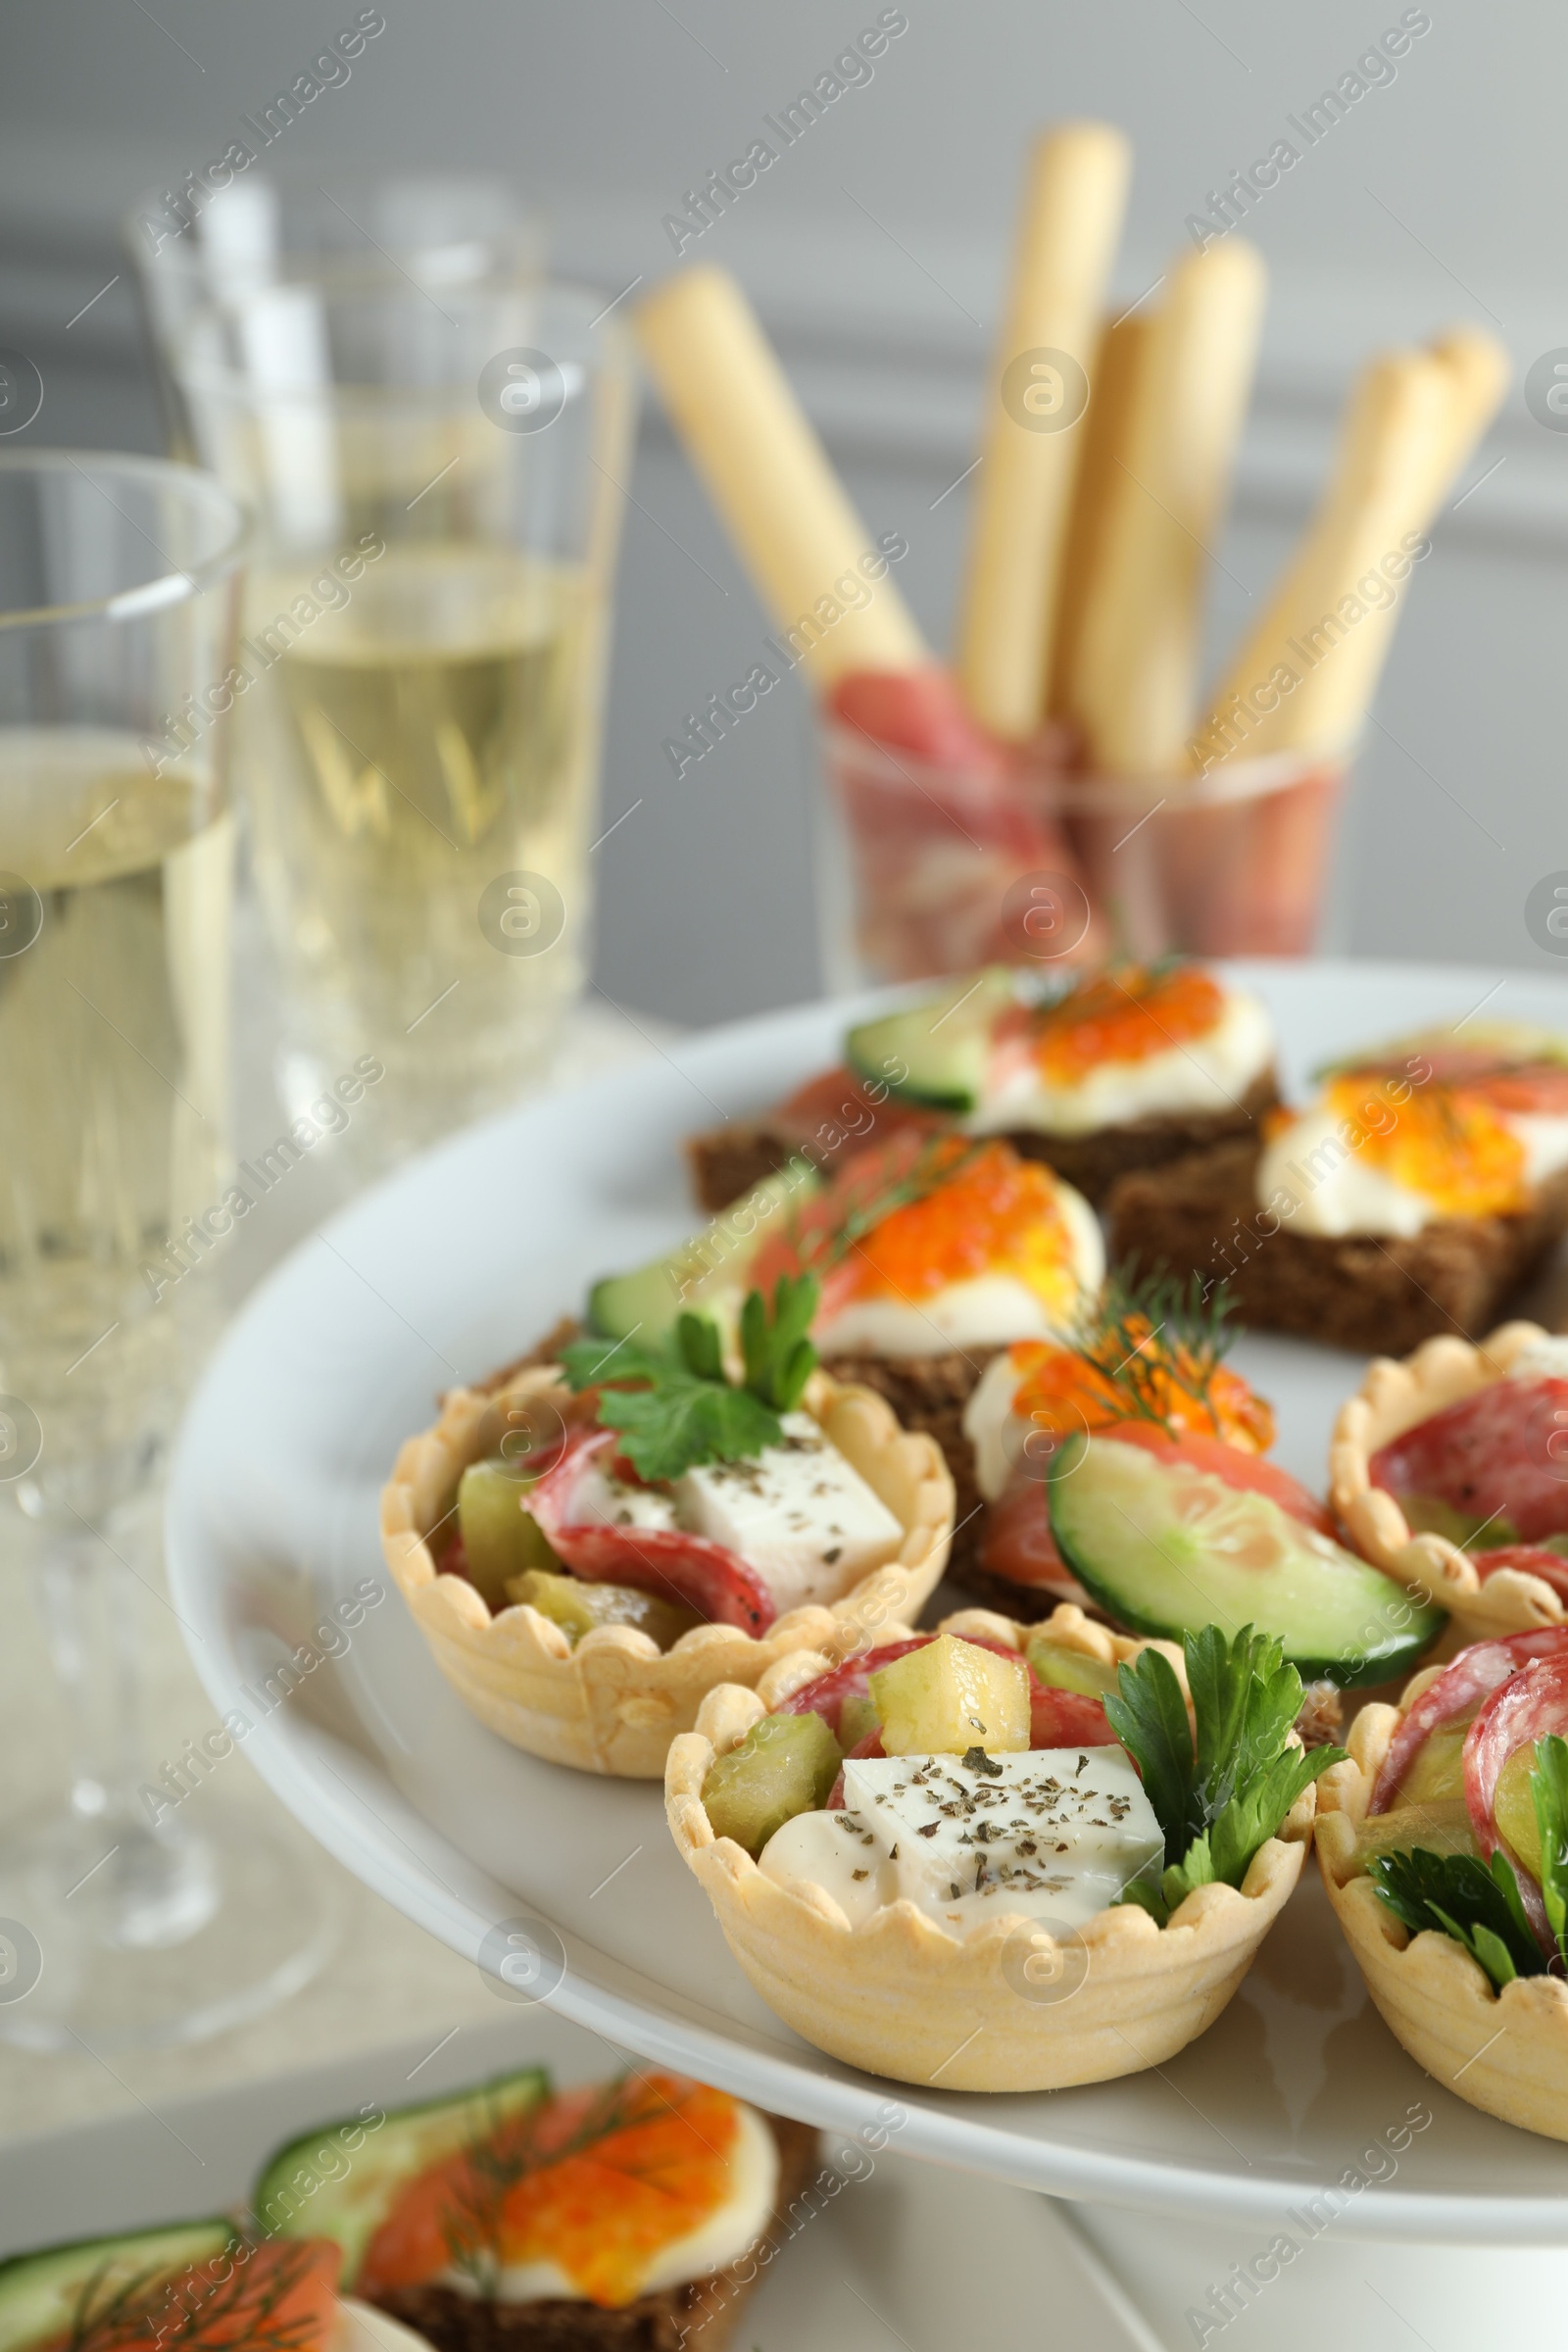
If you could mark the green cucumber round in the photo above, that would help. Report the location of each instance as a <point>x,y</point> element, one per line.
<point>935,1053</point>
<point>342,2180</point>
<point>1166,1550</point>
<point>49,2297</point>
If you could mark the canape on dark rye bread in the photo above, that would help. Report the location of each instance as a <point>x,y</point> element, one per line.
<point>1129,1069</point>
<point>1376,1293</point>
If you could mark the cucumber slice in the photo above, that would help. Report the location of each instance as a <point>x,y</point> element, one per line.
<point>705,1272</point>
<point>342,2180</point>
<point>942,1045</point>
<point>50,2297</point>
<point>1167,1549</point>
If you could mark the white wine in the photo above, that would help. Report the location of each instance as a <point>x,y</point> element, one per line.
<point>114,1081</point>
<point>429,735</point>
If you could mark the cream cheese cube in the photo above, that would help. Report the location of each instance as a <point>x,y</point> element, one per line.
<point>601,1499</point>
<point>798,1513</point>
<point>1054,1834</point>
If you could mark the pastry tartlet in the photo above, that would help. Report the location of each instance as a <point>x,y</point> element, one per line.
<point>1394,1398</point>
<point>613,1701</point>
<point>902,1997</point>
<point>1505,2052</point>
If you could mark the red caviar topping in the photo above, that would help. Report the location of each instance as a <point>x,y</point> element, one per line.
<point>1130,1014</point>
<point>597,2182</point>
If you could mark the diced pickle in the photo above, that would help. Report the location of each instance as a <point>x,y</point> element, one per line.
<point>1514,1808</point>
<point>1436,1770</point>
<point>786,1764</point>
<point>1439,1828</point>
<point>1063,1669</point>
<point>501,1538</point>
<point>858,1719</point>
<point>949,1696</point>
<point>577,1607</point>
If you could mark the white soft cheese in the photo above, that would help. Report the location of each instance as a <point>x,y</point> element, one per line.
<point>1054,1833</point>
<point>799,1513</point>
<point>1545,1138</point>
<point>1334,1189</point>
<point>1337,1191</point>
<point>600,1500</point>
<point>1202,1075</point>
<point>986,1311</point>
<point>722,2238</point>
<point>996,1432</point>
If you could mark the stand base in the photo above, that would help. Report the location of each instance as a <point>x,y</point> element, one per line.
<point>1193,2285</point>
<point>80,1968</point>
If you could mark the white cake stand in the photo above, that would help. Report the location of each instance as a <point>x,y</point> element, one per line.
<point>1291,2175</point>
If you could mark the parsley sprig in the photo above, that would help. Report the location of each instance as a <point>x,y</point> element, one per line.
<point>1221,1783</point>
<point>681,1408</point>
<point>1480,1906</point>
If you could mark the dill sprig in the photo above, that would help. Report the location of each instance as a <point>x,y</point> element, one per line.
<point>1151,1335</point>
<point>130,2317</point>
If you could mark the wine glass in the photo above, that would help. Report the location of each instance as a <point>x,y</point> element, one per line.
<point>433,441</point>
<point>119,595</point>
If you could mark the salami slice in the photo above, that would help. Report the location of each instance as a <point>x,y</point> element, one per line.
<point>691,1570</point>
<point>1534,1560</point>
<point>1501,1454</point>
<point>1523,1709</point>
<point>1458,1691</point>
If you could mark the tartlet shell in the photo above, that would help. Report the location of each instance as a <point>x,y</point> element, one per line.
<point>902,1997</point>
<point>1393,1397</point>
<point>613,1704</point>
<point>1505,2053</point>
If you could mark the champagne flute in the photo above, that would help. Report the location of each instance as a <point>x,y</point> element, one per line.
<point>120,587</point>
<point>433,441</point>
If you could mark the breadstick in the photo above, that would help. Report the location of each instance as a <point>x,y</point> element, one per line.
<point>1305,675</point>
<point>766,472</point>
<point>1113,378</point>
<point>1071,219</point>
<point>1133,689</point>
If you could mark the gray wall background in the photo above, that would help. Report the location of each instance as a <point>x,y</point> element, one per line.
<point>875,250</point>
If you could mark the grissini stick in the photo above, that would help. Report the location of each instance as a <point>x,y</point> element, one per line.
<point>1478,369</point>
<point>766,472</point>
<point>1134,685</point>
<point>1073,212</point>
<point>1303,676</point>
<point>1114,379</point>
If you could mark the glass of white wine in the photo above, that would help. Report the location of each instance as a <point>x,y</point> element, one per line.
<point>432,440</point>
<point>119,601</point>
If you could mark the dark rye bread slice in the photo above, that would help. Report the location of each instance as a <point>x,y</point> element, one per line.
<point>1377,1294</point>
<point>727,1161</point>
<point>929,1393</point>
<point>703,2312</point>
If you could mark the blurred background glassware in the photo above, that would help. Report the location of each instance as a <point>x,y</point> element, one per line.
<point>931,869</point>
<point>283,227</point>
<point>119,600</point>
<point>431,439</point>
